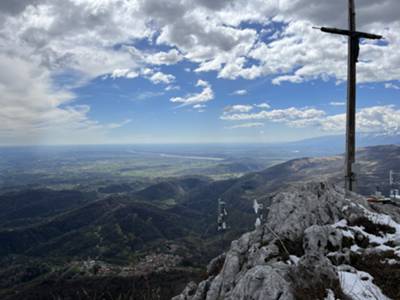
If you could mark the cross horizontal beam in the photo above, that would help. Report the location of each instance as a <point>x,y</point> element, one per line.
<point>356,34</point>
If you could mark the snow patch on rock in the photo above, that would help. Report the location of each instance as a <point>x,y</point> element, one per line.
<point>359,286</point>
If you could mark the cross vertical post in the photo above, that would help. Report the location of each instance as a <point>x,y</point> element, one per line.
<point>353,44</point>
<point>354,37</point>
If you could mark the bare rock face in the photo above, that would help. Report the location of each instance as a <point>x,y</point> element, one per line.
<point>215,265</point>
<point>263,282</point>
<point>188,292</point>
<point>312,244</point>
<point>322,239</point>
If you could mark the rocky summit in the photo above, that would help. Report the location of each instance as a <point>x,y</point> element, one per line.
<point>316,243</point>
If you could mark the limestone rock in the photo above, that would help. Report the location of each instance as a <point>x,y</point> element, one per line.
<point>309,237</point>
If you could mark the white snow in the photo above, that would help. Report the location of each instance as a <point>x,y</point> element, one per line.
<point>256,206</point>
<point>359,286</point>
<point>376,218</point>
<point>341,223</point>
<point>294,259</point>
<point>381,219</point>
<point>391,261</point>
<point>354,248</point>
<point>330,295</point>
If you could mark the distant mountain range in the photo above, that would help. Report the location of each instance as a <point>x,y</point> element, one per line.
<point>334,144</point>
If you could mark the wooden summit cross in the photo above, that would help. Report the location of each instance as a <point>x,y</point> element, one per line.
<point>353,52</point>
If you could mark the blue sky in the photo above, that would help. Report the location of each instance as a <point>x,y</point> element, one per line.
<point>153,118</point>
<point>100,71</point>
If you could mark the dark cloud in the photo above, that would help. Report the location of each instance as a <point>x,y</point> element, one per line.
<point>168,11</point>
<point>334,13</point>
<point>214,4</point>
<point>14,7</point>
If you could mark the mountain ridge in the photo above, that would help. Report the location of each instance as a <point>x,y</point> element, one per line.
<point>317,243</point>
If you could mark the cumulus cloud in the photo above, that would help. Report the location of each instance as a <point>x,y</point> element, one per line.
<point>117,73</point>
<point>28,101</point>
<point>155,77</point>
<point>204,96</point>
<point>380,120</point>
<point>211,34</point>
<point>45,40</point>
<point>164,58</point>
<point>32,109</point>
<point>160,77</point>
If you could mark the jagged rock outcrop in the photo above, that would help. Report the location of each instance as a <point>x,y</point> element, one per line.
<point>317,243</point>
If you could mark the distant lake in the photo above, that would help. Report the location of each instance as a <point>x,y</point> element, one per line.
<point>192,157</point>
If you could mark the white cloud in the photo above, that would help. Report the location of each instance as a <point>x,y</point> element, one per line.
<point>117,73</point>
<point>120,124</point>
<point>277,115</point>
<point>263,105</point>
<point>384,120</point>
<point>204,96</point>
<point>80,35</point>
<point>240,92</point>
<point>392,86</point>
<point>199,106</point>
<point>247,125</point>
<point>239,108</point>
<point>28,101</point>
<point>160,77</point>
<point>33,110</point>
<point>155,77</point>
<point>380,120</point>
<point>173,88</point>
<point>165,58</point>
<point>337,103</point>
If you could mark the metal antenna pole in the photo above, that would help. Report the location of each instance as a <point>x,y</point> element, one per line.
<point>350,179</point>
<point>222,213</point>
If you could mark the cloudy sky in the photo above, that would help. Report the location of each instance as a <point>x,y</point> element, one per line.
<point>184,71</point>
